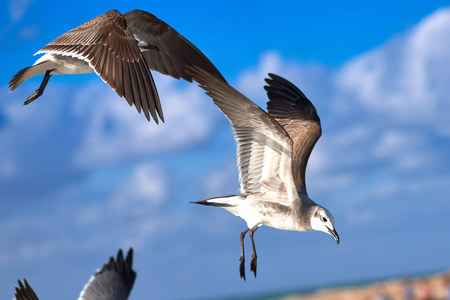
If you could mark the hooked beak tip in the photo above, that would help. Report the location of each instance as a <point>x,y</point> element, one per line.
<point>335,235</point>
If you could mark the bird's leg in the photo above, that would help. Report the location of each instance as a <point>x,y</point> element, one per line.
<point>242,259</point>
<point>254,257</point>
<point>40,90</point>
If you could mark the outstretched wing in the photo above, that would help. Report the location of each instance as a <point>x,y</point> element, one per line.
<point>167,52</point>
<point>109,46</point>
<point>263,146</point>
<point>298,116</point>
<point>113,282</point>
<point>25,292</point>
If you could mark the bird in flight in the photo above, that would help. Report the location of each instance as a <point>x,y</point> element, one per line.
<point>272,153</point>
<point>120,48</point>
<point>113,282</point>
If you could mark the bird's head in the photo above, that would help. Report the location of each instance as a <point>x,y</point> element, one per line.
<point>323,220</point>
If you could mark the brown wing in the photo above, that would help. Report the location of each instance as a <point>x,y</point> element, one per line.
<point>110,48</point>
<point>25,292</point>
<point>168,52</point>
<point>298,116</point>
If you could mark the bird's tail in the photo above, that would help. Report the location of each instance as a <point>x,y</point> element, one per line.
<point>22,76</point>
<point>227,201</point>
<point>39,67</point>
<point>230,203</point>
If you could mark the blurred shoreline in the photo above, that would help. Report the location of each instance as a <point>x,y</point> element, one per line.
<point>430,287</point>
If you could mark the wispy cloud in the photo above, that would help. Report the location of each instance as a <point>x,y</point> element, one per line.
<point>251,81</point>
<point>114,132</point>
<point>405,79</point>
<point>17,9</point>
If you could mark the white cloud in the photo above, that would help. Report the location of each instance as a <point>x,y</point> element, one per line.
<point>403,148</point>
<point>145,189</point>
<point>115,131</point>
<point>251,81</point>
<point>142,192</point>
<point>102,128</point>
<point>218,181</point>
<point>407,78</point>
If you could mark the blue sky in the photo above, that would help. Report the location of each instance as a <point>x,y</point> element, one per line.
<point>82,174</point>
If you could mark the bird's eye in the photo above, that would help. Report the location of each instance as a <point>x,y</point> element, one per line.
<point>323,219</point>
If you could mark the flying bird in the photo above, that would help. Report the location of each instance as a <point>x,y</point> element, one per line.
<point>113,282</point>
<point>272,153</point>
<point>120,49</point>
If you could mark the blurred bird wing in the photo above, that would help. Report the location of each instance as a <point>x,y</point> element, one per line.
<point>113,282</point>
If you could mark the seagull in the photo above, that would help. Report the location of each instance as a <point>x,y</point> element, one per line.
<point>113,282</point>
<point>272,153</point>
<point>120,49</point>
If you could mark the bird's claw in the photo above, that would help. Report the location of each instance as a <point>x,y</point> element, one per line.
<point>33,97</point>
<point>242,267</point>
